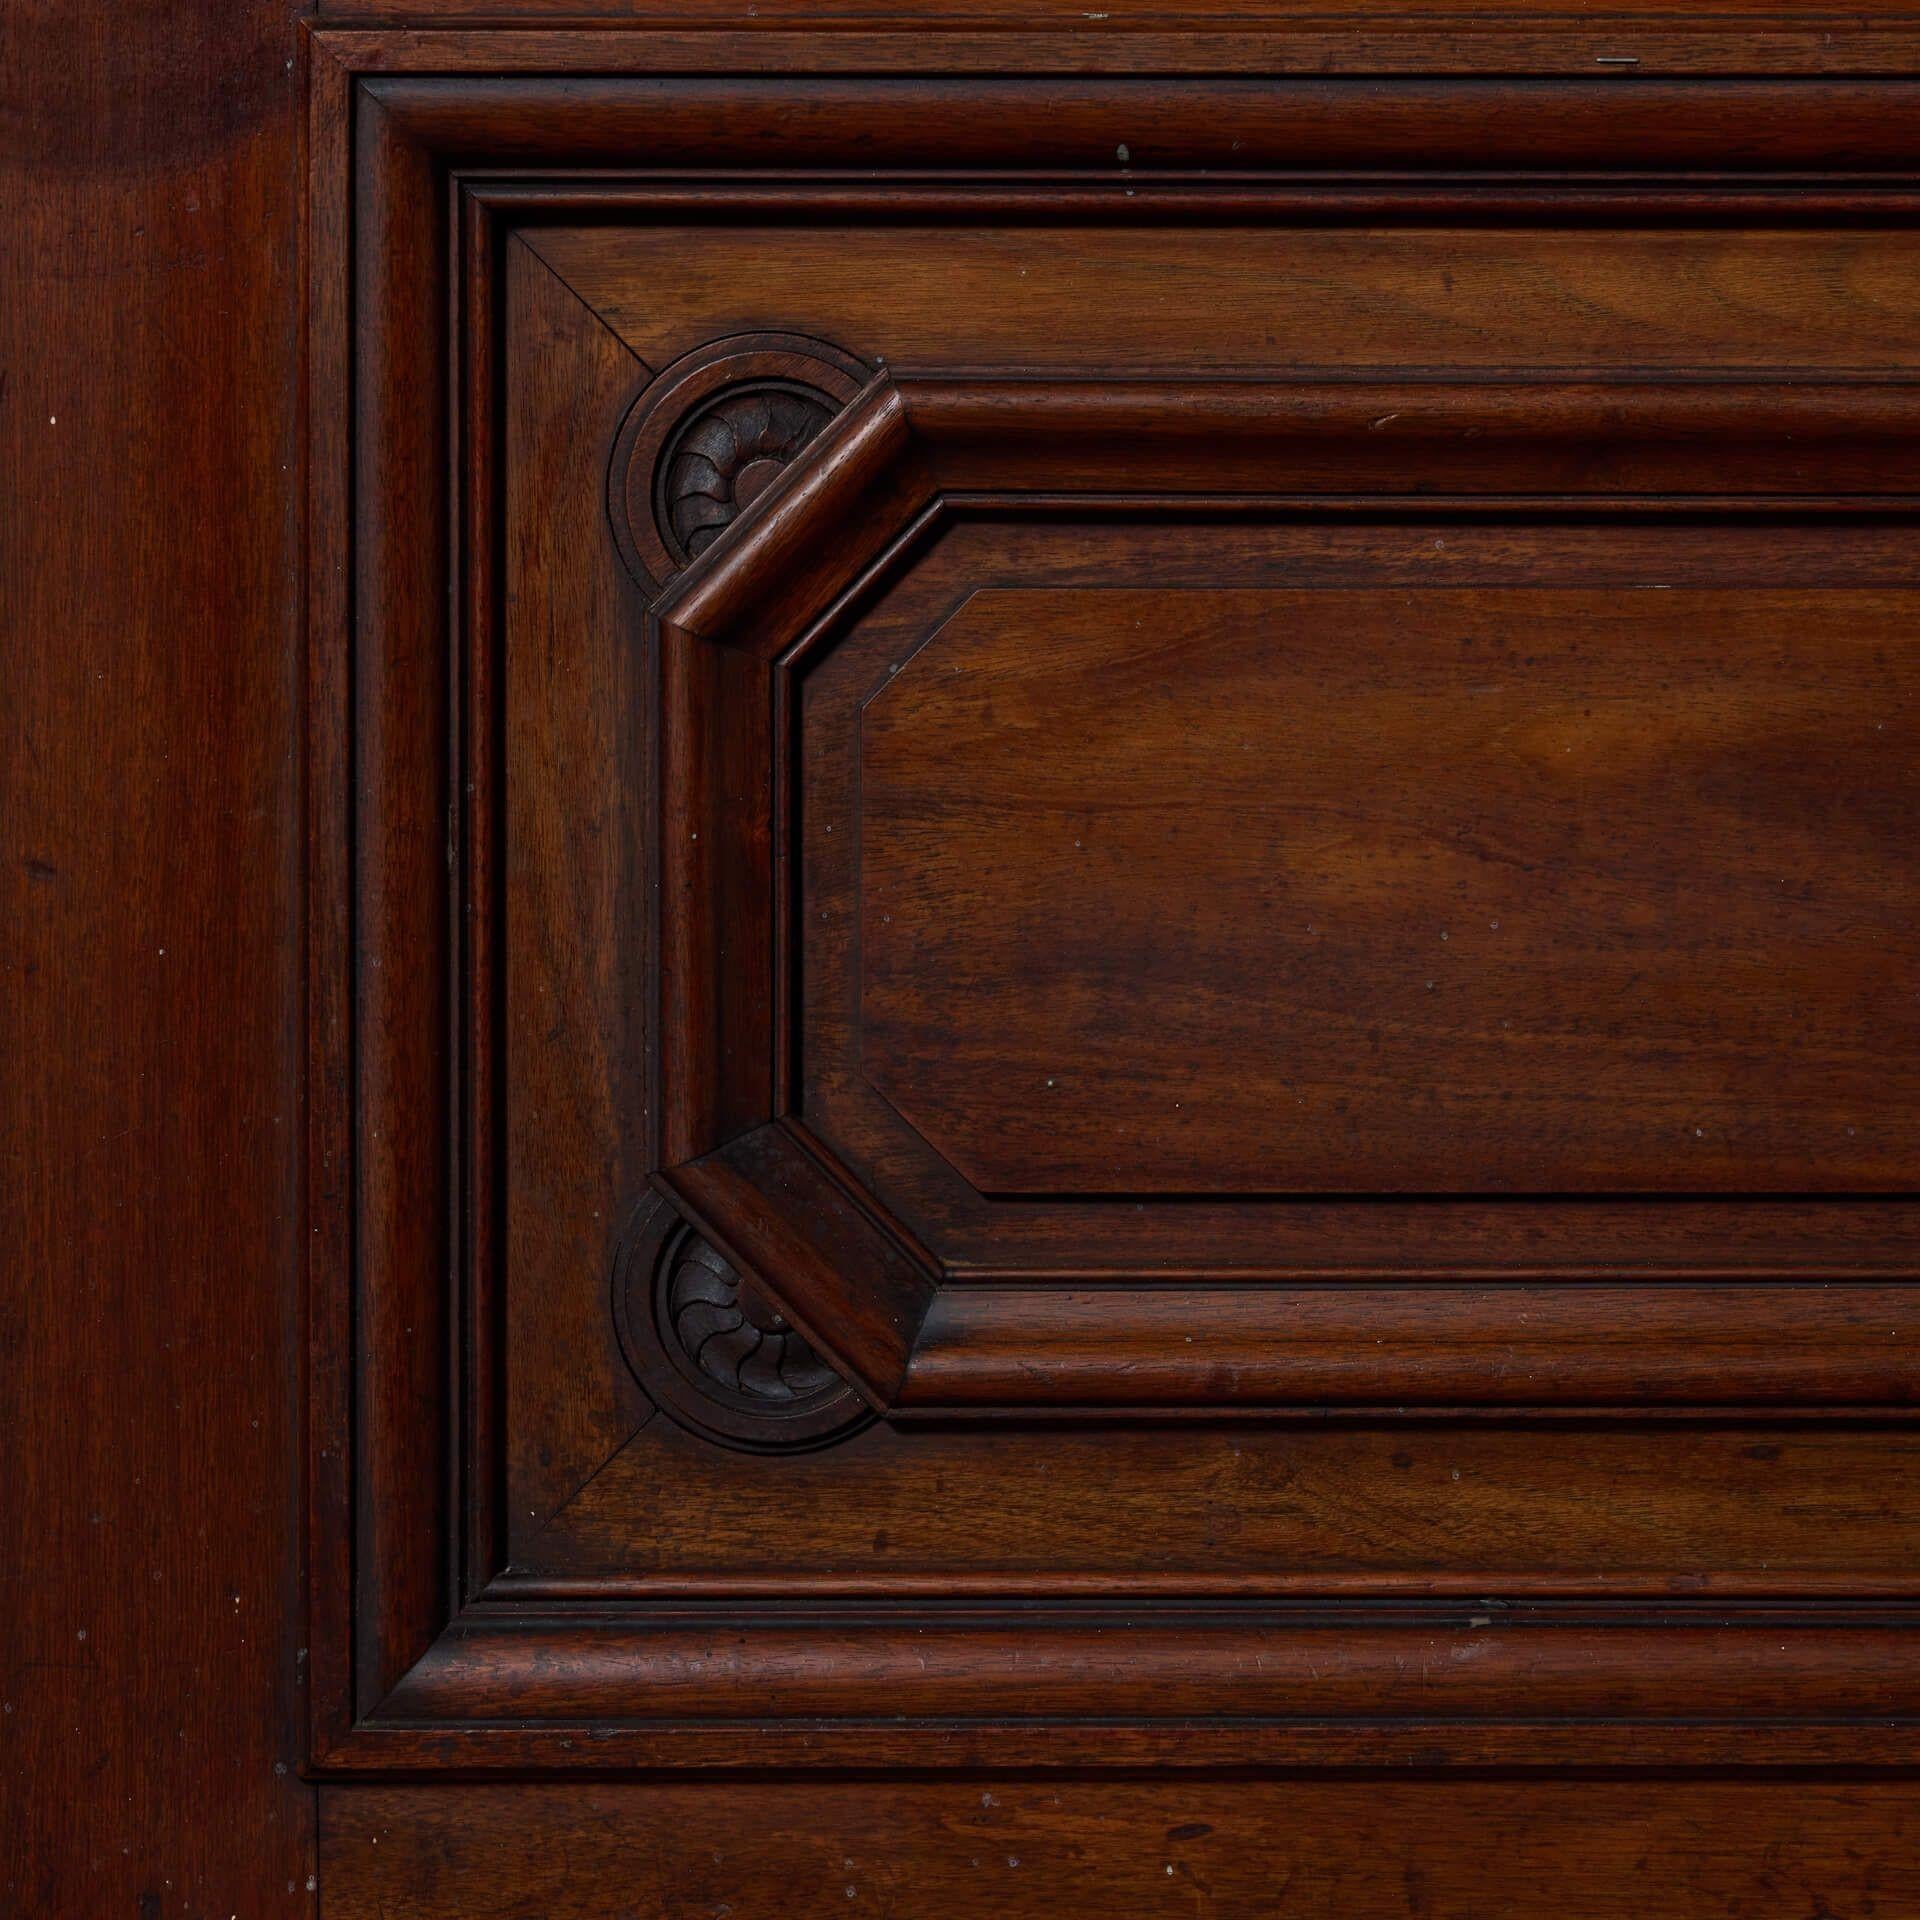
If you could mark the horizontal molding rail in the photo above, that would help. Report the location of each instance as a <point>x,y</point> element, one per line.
<point>1586,1344</point>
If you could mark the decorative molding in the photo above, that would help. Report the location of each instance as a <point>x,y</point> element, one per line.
<point>715,1349</point>
<point>732,1333</point>
<point>416,1672</point>
<point>728,455</point>
<point>711,434</point>
<point>912,452</point>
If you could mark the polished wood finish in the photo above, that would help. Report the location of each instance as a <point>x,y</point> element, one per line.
<point>1593,1344</point>
<point>734,1178</point>
<point>1263,995</point>
<point>1722,1510</point>
<point>1365,1849</point>
<point>1224,890</point>
<point>1642,442</point>
<point>151,1613</point>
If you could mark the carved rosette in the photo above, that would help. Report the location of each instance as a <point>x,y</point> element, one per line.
<point>729,455</point>
<point>715,1350</point>
<point>738,1339</point>
<point>711,434</point>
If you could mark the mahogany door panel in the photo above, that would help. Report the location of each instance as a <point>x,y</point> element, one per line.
<point>1179,890</point>
<point>1129,980</point>
<point>965,960</point>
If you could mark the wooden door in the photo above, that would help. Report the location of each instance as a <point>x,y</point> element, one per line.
<point>1104,1082</point>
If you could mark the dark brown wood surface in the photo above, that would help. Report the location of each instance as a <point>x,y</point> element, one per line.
<point>793,1224</point>
<point>1636,565</point>
<point>1363,889</point>
<point>1556,1457</point>
<point>1362,1850</point>
<point>151,1640</point>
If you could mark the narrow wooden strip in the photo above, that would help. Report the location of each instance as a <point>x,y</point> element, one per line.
<point>716,911</point>
<point>939,120</point>
<point>1144,198</point>
<point>402,955</point>
<point>1741,1586</point>
<point>1531,41</point>
<point>1414,436</point>
<point>606,1670</point>
<point>1434,1345</point>
<point>329,1179</point>
<point>1179,1746</point>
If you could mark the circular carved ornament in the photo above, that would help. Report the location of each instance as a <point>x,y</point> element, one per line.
<point>715,1351</point>
<point>711,434</point>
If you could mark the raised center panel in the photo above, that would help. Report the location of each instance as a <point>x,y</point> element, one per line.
<point>1266,889</point>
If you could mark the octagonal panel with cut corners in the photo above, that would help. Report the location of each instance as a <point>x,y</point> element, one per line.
<point>1166,877</point>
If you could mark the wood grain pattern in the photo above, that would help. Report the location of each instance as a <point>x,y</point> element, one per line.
<point>716,907</point>
<point>563,685</point>
<point>1289,1680</point>
<point>1311,294</point>
<point>1516,38</point>
<point>1317,124</point>
<point>1586,1344</point>
<point>951,1010</point>
<point>1451,553</point>
<point>151,431</point>
<point>1377,890</point>
<point>1489,391</point>
<point>1688,15</point>
<point>1247,1509</point>
<point>330,968</point>
<point>1365,1849</point>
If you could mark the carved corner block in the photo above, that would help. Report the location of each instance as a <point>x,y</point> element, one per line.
<point>710,434</point>
<point>714,1349</point>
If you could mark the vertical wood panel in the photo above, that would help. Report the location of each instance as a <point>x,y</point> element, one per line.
<point>150,1692</point>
